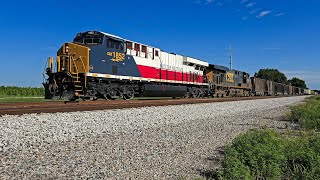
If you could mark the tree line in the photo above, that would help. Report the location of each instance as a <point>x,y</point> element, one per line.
<point>21,91</point>
<point>279,77</point>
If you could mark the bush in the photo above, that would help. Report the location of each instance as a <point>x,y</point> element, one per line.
<point>265,154</point>
<point>21,91</point>
<point>255,154</point>
<point>303,157</point>
<point>308,114</point>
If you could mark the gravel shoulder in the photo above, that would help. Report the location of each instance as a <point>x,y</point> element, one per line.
<point>167,142</point>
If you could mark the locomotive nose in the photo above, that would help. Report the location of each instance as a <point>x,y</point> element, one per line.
<point>73,58</point>
<point>68,77</point>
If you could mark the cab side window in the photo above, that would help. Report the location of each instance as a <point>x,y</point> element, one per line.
<point>114,44</point>
<point>129,45</point>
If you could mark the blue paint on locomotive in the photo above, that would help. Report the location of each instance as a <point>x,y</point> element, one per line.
<point>113,61</point>
<point>105,64</point>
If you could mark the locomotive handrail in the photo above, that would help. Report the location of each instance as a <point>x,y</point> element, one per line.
<point>77,69</point>
<point>75,65</point>
<point>84,67</point>
<point>85,70</point>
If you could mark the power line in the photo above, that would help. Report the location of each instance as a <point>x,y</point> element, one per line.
<point>230,57</point>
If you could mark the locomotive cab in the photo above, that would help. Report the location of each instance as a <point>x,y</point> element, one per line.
<point>90,52</point>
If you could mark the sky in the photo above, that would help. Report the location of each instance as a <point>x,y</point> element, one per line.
<point>282,34</point>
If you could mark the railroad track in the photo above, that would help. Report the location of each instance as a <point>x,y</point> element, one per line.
<point>53,107</point>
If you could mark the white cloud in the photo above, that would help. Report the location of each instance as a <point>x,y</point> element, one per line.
<point>250,5</point>
<point>263,13</point>
<point>280,14</point>
<point>209,1</point>
<point>250,8</point>
<point>254,11</point>
<point>204,2</point>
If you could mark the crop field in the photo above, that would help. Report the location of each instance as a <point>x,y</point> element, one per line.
<point>21,94</point>
<point>12,91</point>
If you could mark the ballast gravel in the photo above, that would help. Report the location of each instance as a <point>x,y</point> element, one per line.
<point>169,142</point>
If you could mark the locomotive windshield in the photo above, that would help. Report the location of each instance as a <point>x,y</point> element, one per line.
<point>89,38</point>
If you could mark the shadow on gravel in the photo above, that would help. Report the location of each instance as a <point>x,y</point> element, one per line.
<point>215,162</point>
<point>209,174</point>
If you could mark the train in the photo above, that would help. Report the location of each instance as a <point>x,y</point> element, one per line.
<point>99,65</point>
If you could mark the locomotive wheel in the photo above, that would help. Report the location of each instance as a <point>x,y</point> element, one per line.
<point>129,95</point>
<point>201,94</point>
<point>91,99</point>
<point>187,95</point>
<point>110,94</point>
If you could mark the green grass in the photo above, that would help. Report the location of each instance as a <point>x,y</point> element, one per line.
<point>21,99</point>
<point>307,114</point>
<point>266,154</point>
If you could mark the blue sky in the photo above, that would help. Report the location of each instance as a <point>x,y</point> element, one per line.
<point>282,34</point>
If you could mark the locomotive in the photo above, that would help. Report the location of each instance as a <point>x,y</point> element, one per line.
<point>101,65</point>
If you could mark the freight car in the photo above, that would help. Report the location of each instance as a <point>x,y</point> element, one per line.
<point>309,92</point>
<point>101,65</point>
<point>261,87</point>
<point>296,91</point>
<point>291,89</point>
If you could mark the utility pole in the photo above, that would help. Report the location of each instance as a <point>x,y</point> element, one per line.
<point>230,57</point>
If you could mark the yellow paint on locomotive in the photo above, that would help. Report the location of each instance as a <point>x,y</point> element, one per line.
<point>230,77</point>
<point>116,56</point>
<point>74,57</point>
<point>210,77</point>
